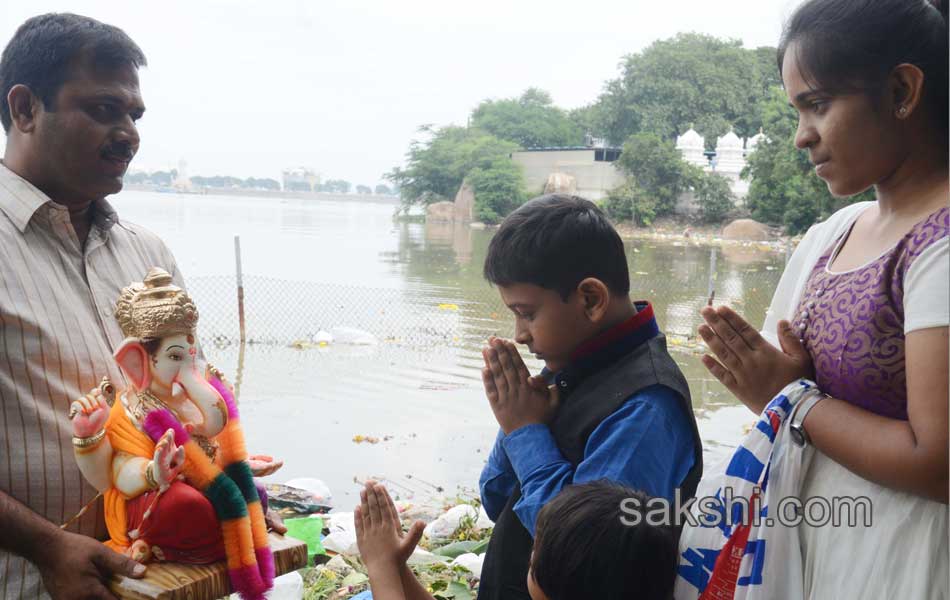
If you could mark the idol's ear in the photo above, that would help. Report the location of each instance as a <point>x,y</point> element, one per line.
<point>133,360</point>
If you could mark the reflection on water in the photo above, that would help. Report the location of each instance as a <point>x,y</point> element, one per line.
<point>418,289</point>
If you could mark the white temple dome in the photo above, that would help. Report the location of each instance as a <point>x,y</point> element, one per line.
<point>690,139</point>
<point>753,141</point>
<point>730,140</point>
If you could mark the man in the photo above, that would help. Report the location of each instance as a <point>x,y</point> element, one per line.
<point>69,102</point>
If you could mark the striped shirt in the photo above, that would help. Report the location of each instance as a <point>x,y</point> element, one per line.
<point>57,336</point>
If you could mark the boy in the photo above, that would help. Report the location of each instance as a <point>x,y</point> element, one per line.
<point>611,402</point>
<point>594,541</point>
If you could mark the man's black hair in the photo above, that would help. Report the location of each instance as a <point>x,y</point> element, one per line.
<point>555,242</point>
<point>583,549</point>
<point>46,48</point>
<point>846,46</point>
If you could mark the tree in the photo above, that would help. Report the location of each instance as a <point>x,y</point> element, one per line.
<point>498,188</point>
<point>261,184</point>
<point>689,79</point>
<point>364,190</point>
<point>657,168</point>
<point>714,196</point>
<point>435,168</point>
<point>531,121</point>
<point>629,202</point>
<point>784,189</point>
<point>334,186</point>
<point>383,190</point>
<point>298,186</point>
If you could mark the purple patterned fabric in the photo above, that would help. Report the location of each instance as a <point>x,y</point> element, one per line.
<point>852,323</point>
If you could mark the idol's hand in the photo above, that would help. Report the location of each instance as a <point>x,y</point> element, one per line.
<point>749,366</point>
<point>168,460</point>
<point>89,414</point>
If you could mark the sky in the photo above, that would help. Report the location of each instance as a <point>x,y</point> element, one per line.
<point>249,88</point>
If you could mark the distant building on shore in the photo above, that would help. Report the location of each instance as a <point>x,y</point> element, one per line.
<point>299,179</point>
<point>591,167</point>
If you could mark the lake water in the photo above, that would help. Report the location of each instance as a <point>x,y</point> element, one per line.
<point>416,293</point>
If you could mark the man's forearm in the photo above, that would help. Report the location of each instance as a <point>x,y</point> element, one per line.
<point>24,532</point>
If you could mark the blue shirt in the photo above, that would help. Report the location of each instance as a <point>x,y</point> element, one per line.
<point>646,444</point>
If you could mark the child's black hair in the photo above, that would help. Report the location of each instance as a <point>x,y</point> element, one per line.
<point>555,242</point>
<point>583,549</point>
<point>846,46</point>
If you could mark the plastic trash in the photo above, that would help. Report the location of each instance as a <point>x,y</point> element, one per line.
<point>315,486</point>
<point>447,524</point>
<point>342,538</point>
<point>286,587</point>
<point>472,562</point>
<point>323,338</point>
<point>353,336</point>
<point>299,500</point>
<point>309,530</point>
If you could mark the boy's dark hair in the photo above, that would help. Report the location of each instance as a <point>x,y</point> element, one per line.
<point>45,49</point>
<point>847,46</point>
<point>555,242</point>
<point>582,549</point>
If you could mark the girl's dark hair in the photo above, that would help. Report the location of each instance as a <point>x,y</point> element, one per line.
<point>586,546</point>
<point>45,49</point>
<point>555,242</point>
<point>847,46</point>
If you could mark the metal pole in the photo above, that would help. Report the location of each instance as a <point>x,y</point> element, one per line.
<point>240,285</point>
<point>712,272</point>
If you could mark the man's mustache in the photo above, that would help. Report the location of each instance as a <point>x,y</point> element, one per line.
<point>120,150</point>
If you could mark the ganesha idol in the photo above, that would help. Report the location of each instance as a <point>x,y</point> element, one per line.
<point>169,455</point>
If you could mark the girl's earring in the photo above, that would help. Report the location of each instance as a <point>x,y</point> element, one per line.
<point>902,111</point>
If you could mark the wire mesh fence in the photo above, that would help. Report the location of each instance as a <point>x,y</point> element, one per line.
<point>428,317</point>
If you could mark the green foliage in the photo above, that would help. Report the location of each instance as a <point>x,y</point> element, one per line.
<point>364,189</point>
<point>334,186</point>
<point>629,202</point>
<point>688,79</point>
<point>437,167</point>
<point>531,121</point>
<point>499,189</point>
<point>383,190</point>
<point>261,184</point>
<point>658,169</point>
<point>784,189</point>
<point>714,196</point>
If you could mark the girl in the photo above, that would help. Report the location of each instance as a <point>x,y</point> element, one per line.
<point>863,305</point>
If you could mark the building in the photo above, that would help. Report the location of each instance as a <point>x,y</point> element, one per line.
<point>299,179</point>
<point>591,167</point>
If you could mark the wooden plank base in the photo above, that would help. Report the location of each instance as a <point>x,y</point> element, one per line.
<point>174,581</point>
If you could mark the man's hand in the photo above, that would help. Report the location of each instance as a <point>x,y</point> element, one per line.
<point>379,533</point>
<point>77,566</point>
<point>749,366</point>
<point>516,398</point>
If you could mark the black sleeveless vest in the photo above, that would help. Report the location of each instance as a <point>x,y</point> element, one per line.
<point>505,569</point>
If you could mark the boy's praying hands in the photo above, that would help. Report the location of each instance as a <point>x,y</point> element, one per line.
<point>384,548</point>
<point>516,398</point>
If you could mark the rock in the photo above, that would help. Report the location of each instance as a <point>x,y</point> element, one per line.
<point>560,183</point>
<point>440,212</point>
<point>464,204</point>
<point>746,229</point>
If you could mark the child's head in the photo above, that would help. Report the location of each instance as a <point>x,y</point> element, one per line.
<point>561,268</point>
<point>869,80</point>
<point>582,548</point>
